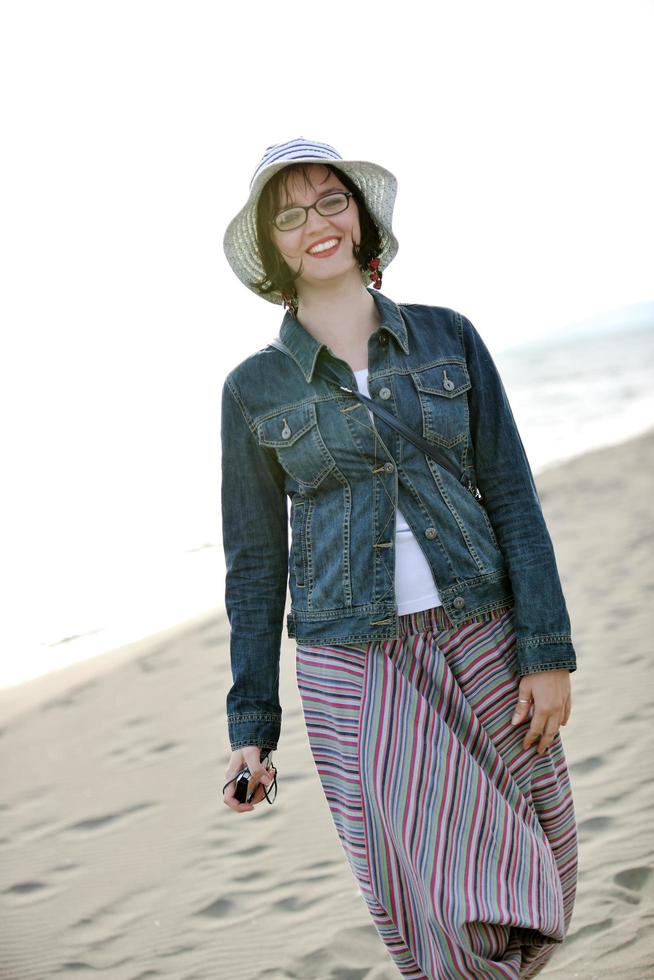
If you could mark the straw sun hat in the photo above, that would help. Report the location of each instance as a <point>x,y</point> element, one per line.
<point>378,187</point>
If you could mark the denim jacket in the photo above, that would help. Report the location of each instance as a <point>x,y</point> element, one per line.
<point>288,434</point>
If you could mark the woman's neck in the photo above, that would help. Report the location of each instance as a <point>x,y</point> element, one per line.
<point>342,315</point>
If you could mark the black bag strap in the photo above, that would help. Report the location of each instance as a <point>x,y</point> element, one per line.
<point>398,425</point>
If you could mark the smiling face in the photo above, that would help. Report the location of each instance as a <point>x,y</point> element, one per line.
<point>322,246</point>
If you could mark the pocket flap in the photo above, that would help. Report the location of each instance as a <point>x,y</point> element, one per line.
<point>446,379</point>
<point>286,427</point>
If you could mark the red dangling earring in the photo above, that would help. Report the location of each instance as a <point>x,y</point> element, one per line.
<point>290,303</point>
<point>375,274</point>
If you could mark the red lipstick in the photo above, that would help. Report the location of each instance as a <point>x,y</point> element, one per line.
<point>327,251</point>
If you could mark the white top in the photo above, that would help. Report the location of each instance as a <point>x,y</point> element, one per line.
<point>414,583</point>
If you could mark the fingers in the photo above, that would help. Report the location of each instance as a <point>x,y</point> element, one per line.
<point>566,711</point>
<point>544,726</point>
<point>265,781</point>
<point>229,795</point>
<point>260,776</point>
<point>522,709</point>
<point>539,704</point>
<point>536,733</point>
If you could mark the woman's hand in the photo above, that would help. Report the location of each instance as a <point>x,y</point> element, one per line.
<point>552,703</point>
<point>248,755</point>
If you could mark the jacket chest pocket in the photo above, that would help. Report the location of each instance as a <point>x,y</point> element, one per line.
<point>295,437</point>
<point>441,390</point>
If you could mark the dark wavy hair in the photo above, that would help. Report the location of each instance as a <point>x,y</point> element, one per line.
<point>278,277</point>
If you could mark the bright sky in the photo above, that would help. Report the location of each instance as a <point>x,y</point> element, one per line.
<point>520,134</point>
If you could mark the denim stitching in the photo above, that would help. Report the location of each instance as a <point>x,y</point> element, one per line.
<point>440,483</point>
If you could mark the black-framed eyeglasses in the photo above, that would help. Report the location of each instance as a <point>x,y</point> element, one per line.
<point>291,218</point>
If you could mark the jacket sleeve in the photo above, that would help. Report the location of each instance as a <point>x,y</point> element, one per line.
<point>255,543</point>
<point>511,500</point>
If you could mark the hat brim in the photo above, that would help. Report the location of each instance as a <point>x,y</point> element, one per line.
<point>378,187</point>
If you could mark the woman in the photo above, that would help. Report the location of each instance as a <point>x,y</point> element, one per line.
<point>432,636</point>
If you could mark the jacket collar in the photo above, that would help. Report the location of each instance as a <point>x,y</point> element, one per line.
<point>305,348</point>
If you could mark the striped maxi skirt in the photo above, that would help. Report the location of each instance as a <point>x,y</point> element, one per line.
<point>463,843</point>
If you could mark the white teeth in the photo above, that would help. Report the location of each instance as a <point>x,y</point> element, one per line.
<point>323,246</point>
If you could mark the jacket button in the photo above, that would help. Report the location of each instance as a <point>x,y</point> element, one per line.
<point>382,337</point>
<point>389,467</point>
<point>384,393</point>
<point>459,602</point>
<point>430,533</point>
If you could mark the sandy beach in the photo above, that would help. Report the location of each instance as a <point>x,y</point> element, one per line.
<point>119,859</point>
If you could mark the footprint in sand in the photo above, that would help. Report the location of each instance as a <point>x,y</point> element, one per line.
<point>633,879</point>
<point>592,826</point>
<point>155,661</point>
<point>25,892</point>
<point>110,821</point>
<point>587,765</point>
<point>138,754</point>
<point>357,945</point>
<point>295,903</point>
<point>73,696</point>
<point>251,851</point>
<point>310,879</point>
<point>219,909</point>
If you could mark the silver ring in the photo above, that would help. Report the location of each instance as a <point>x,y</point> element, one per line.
<point>523,701</point>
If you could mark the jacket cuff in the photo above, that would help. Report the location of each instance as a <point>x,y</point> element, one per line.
<point>541,653</point>
<point>259,729</point>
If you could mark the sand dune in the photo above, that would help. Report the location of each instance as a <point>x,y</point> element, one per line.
<point>119,859</point>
